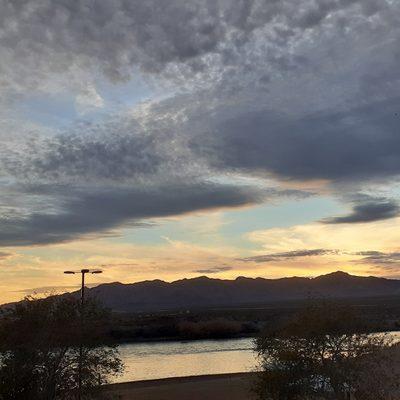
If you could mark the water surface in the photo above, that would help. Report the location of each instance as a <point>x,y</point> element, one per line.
<point>172,359</point>
<point>158,360</point>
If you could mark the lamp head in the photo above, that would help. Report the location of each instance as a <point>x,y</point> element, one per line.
<point>85,271</point>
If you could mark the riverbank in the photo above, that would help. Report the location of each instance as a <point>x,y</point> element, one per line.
<point>238,322</point>
<point>211,387</point>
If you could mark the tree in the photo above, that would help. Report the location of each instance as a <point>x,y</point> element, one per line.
<point>325,352</point>
<point>39,349</point>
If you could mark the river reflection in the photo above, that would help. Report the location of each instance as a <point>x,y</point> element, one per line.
<point>171,359</point>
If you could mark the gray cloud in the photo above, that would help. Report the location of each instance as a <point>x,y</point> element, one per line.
<point>85,211</point>
<point>356,144</point>
<point>385,259</point>
<point>388,262</point>
<point>368,210</point>
<point>52,37</point>
<point>388,259</point>
<point>277,257</point>
<point>112,150</point>
<point>119,172</point>
<point>272,89</point>
<point>55,37</point>
<point>214,270</point>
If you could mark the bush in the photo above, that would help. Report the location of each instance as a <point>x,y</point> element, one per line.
<point>324,352</point>
<point>40,345</point>
<point>217,328</point>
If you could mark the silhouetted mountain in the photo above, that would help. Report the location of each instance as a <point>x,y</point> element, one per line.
<point>204,292</point>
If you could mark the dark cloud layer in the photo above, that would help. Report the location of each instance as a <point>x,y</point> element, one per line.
<point>183,37</point>
<point>97,211</point>
<point>356,144</point>
<point>259,88</point>
<point>113,36</point>
<point>368,210</point>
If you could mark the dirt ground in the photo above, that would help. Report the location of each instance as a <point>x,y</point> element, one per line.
<point>207,387</point>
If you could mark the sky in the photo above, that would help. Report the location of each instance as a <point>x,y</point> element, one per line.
<point>170,139</point>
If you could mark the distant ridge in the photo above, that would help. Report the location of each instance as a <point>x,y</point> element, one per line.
<point>204,292</point>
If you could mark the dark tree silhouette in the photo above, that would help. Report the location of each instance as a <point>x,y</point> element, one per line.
<point>39,349</point>
<point>325,352</point>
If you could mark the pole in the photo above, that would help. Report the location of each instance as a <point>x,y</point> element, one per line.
<point>83,287</point>
<point>82,317</point>
<point>81,337</point>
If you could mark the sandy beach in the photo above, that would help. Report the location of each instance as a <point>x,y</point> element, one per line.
<point>211,387</point>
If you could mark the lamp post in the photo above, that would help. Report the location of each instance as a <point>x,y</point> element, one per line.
<point>83,272</point>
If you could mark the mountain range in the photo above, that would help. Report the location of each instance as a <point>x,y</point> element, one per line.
<point>204,292</point>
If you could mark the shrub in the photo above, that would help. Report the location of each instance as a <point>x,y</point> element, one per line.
<point>324,352</point>
<point>41,344</point>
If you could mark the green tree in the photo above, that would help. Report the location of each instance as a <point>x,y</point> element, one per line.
<point>40,341</point>
<point>325,352</point>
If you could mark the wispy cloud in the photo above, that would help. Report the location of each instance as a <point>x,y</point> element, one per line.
<point>48,289</point>
<point>213,270</point>
<point>4,255</point>
<point>277,257</point>
<point>379,258</point>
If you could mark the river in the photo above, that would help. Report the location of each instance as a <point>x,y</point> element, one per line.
<point>158,360</point>
<point>171,359</point>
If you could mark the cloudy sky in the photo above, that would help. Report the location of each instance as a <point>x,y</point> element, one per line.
<point>170,139</point>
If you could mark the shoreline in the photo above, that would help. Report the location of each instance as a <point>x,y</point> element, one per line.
<point>235,386</point>
<point>178,339</point>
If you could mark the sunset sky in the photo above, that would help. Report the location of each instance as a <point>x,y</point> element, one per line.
<point>169,139</point>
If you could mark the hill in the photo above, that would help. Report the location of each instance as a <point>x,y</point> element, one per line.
<point>204,292</point>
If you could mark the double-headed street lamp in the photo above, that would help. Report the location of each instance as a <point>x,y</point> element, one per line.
<point>83,272</point>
